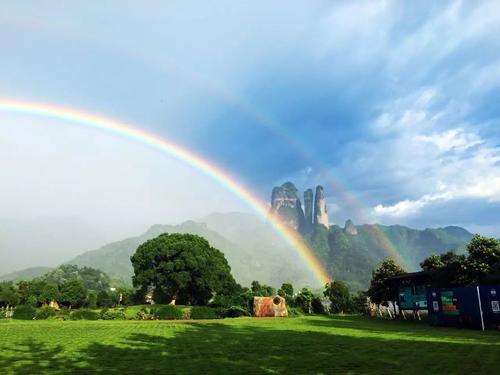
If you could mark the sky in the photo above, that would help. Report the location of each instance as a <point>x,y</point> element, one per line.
<point>392,107</point>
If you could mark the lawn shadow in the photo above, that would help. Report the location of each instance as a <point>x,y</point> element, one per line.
<point>219,348</point>
<point>405,328</point>
<point>35,357</point>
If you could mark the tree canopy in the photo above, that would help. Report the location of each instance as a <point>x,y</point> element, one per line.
<point>183,267</point>
<point>263,290</point>
<point>91,278</point>
<point>338,294</point>
<point>379,292</point>
<point>483,262</point>
<point>480,266</point>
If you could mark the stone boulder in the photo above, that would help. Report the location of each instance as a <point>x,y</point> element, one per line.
<point>269,307</point>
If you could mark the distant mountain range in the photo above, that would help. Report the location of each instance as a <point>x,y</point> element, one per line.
<point>256,252</point>
<point>26,274</point>
<point>350,253</point>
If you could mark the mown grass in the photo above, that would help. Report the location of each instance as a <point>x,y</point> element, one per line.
<point>342,344</point>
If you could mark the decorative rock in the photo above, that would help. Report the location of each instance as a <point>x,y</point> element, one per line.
<point>269,307</point>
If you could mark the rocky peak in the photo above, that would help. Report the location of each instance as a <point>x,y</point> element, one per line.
<point>320,211</point>
<point>350,228</point>
<point>286,204</point>
<point>308,208</point>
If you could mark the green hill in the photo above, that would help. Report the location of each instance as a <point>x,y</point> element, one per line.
<point>26,274</point>
<point>256,252</point>
<point>351,257</point>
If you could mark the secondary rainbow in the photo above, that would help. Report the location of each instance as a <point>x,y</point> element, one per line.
<point>196,161</point>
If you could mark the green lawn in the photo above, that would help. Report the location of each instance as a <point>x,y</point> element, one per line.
<point>343,344</point>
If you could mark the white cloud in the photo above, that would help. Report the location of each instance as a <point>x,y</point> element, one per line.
<point>453,139</point>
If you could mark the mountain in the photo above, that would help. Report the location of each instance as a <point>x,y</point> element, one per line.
<point>252,248</point>
<point>26,274</point>
<point>256,252</point>
<point>350,253</point>
<point>286,206</point>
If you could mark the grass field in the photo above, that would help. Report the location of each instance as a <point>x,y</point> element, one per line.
<point>342,344</point>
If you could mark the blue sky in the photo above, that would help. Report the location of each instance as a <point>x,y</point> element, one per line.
<point>394,106</point>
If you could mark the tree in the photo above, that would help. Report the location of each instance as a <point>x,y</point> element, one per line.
<point>317,305</point>
<point>8,294</point>
<point>91,300</point>
<point>104,299</point>
<point>446,269</point>
<point>73,293</point>
<point>91,278</point>
<point>379,291</point>
<point>303,300</point>
<point>49,292</point>
<point>339,296</point>
<point>262,290</point>
<point>359,303</point>
<point>483,259</point>
<point>432,263</point>
<point>183,267</point>
<point>286,290</point>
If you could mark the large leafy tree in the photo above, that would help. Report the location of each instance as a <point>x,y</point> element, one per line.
<point>91,278</point>
<point>263,290</point>
<point>483,263</point>
<point>304,299</point>
<point>379,291</point>
<point>50,292</point>
<point>286,291</point>
<point>339,296</point>
<point>73,293</point>
<point>8,294</point>
<point>432,263</point>
<point>183,267</point>
<point>446,268</point>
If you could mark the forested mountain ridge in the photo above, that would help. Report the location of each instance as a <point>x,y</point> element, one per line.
<point>256,252</point>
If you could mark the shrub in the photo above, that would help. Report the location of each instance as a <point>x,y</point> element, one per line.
<point>83,314</point>
<point>317,306</point>
<point>24,312</point>
<point>92,300</point>
<point>168,312</point>
<point>45,312</point>
<point>235,312</point>
<point>294,311</point>
<point>144,314</point>
<point>112,314</point>
<point>203,312</point>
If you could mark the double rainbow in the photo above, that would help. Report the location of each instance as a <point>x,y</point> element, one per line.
<point>196,161</point>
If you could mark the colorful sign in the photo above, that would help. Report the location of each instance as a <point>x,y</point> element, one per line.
<point>449,303</point>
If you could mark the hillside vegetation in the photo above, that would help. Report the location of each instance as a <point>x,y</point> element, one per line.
<point>256,252</point>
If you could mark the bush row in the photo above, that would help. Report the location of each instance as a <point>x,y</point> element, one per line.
<point>27,312</point>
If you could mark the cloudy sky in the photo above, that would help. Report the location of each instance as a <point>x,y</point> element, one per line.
<point>393,109</point>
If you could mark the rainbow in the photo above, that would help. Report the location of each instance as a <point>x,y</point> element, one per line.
<point>251,110</point>
<point>196,161</point>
